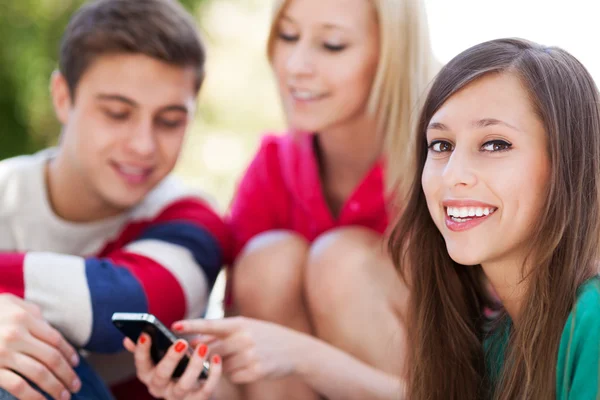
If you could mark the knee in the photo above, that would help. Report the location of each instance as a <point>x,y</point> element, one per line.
<point>339,263</point>
<point>268,271</point>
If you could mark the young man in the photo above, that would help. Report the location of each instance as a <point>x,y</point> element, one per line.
<point>98,225</point>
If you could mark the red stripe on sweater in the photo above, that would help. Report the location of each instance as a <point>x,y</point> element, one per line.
<point>11,275</point>
<point>166,299</point>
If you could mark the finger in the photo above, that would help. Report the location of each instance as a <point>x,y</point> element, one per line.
<point>33,309</point>
<point>238,362</point>
<point>210,386</point>
<point>129,345</point>
<point>164,369</point>
<point>141,356</point>
<point>245,376</point>
<point>19,302</point>
<point>206,339</point>
<point>53,360</point>
<point>189,379</point>
<point>39,374</point>
<point>233,344</point>
<point>17,386</point>
<point>44,332</point>
<point>215,327</point>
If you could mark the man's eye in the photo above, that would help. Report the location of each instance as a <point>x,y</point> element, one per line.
<point>118,116</point>
<point>169,124</point>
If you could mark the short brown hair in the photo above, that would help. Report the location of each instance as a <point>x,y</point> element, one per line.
<point>161,29</point>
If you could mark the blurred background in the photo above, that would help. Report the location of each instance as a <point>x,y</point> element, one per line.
<point>239,100</point>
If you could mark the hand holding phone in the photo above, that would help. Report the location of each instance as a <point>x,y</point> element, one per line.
<point>133,324</point>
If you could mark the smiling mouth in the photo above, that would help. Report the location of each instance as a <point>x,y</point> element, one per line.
<point>464,214</point>
<point>133,175</point>
<point>306,95</point>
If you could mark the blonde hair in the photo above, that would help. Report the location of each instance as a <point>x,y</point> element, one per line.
<point>406,67</point>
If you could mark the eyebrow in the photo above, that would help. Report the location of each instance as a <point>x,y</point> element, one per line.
<point>123,99</point>
<point>482,123</point>
<point>116,97</point>
<point>328,26</point>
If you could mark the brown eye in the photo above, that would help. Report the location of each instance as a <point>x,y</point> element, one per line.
<point>440,146</point>
<point>496,145</point>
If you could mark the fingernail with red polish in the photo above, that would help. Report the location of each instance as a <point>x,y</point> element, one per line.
<point>202,350</point>
<point>178,326</point>
<point>142,339</point>
<point>179,347</point>
<point>216,360</point>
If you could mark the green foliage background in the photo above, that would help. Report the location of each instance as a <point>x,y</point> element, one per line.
<point>30,31</point>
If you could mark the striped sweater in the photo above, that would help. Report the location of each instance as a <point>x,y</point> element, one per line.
<point>162,257</point>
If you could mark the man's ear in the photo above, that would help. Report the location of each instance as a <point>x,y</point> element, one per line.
<point>61,97</point>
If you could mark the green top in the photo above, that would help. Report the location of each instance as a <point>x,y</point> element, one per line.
<point>577,371</point>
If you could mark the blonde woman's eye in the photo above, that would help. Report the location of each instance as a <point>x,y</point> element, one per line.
<point>288,38</point>
<point>334,47</point>
<point>440,146</point>
<point>494,146</point>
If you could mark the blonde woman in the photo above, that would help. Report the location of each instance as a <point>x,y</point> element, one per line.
<point>311,211</point>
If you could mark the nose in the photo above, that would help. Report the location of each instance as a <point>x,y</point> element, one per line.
<point>460,171</point>
<point>142,141</point>
<point>300,60</point>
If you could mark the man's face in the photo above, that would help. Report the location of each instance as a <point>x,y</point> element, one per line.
<point>124,129</point>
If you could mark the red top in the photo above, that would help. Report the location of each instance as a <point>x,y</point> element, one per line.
<point>281,189</point>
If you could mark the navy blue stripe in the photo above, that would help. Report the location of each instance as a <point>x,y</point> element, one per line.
<point>201,243</point>
<point>112,289</point>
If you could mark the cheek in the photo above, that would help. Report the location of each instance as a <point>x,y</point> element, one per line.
<point>170,146</point>
<point>279,63</point>
<point>356,82</point>
<point>523,191</point>
<point>431,183</point>
<point>430,180</point>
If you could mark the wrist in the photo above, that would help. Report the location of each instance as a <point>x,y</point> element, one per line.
<point>303,355</point>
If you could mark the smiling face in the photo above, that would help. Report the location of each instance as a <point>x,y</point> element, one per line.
<point>325,56</point>
<point>485,177</point>
<point>123,133</point>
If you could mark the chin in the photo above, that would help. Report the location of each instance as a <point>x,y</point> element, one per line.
<point>124,201</point>
<point>464,255</point>
<point>305,124</point>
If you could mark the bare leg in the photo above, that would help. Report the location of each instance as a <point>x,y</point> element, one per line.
<point>268,285</point>
<point>356,299</point>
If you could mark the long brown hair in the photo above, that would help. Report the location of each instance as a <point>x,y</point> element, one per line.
<point>446,359</point>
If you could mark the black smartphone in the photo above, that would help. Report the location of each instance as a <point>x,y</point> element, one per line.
<point>133,324</point>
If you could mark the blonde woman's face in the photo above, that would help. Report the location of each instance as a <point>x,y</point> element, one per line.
<point>325,55</point>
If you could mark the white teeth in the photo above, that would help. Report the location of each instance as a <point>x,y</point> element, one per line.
<point>464,212</point>
<point>305,95</point>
